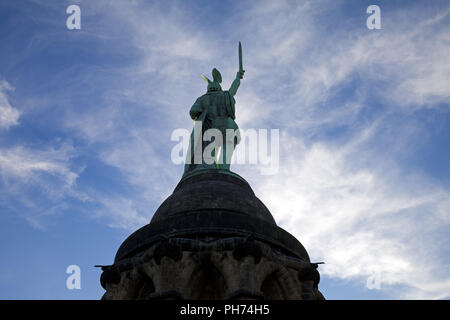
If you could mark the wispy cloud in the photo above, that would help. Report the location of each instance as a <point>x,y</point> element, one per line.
<point>362,220</point>
<point>36,182</point>
<point>121,212</point>
<point>28,164</point>
<point>355,207</point>
<point>9,116</point>
<point>403,65</point>
<point>343,97</point>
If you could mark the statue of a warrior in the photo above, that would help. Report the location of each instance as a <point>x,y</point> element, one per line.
<point>214,126</point>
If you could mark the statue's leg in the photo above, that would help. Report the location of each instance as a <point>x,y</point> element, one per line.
<point>213,141</point>
<point>230,142</point>
<point>194,154</point>
<point>190,154</point>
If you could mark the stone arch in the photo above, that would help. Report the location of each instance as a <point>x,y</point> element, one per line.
<point>144,287</point>
<point>271,287</point>
<point>279,285</point>
<point>206,282</point>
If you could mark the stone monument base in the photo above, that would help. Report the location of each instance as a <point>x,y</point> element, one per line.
<point>211,239</point>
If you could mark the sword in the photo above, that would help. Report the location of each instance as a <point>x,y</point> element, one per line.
<point>241,69</point>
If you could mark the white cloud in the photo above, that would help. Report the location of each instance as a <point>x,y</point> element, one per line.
<point>121,213</point>
<point>300,62</point>
<point>36,183</point>
<point>139,156</point>
<point>350,203</point>
<point>361,219</point>
<point>27,164</point>
<point>355,207</point>
<point>9,116</point>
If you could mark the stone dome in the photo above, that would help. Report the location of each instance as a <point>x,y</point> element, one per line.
<point>214,204</point>
<point>213,190</point>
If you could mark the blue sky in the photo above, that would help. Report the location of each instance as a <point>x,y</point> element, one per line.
<point>86,118</point>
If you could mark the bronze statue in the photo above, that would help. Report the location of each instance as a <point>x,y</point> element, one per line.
<point>213,114</point>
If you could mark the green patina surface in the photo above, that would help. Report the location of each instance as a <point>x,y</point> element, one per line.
<point>214,110</point>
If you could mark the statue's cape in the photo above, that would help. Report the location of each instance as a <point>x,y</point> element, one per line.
<point>228,101</point>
